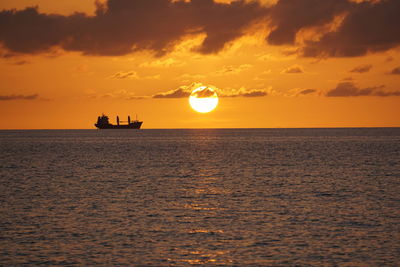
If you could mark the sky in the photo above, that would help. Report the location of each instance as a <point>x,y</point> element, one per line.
<point>273,63</point>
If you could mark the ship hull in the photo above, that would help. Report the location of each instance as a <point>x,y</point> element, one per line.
<point>134,125</point>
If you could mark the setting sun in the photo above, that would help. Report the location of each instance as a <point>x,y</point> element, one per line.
<point>203,99</point>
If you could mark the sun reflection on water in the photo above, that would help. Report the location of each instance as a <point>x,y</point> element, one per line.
<point>203,202</point>
<point>202,257</point>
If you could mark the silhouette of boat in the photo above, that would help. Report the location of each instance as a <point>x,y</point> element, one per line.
<point>103,123</point>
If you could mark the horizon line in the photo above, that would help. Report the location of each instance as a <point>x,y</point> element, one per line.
<point>211,128</point>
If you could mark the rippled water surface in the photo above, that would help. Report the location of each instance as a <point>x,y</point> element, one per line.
<point>178,197</point>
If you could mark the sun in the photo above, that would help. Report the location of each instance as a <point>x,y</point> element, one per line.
<point>203,99</point>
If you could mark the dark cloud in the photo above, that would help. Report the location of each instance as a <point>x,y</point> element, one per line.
<point>125,75</point>
<point>243,93</point>
<point>293,69</point>
<point>120,27</point>
<point>383,93</point>
<point>178,93</point>
<point>288,17</point>
<point>307,91</point>
<point>395,71</point>
<point>369,26</point>
<point>253,93</point>
<point>19,97</point>
<point>204,93</point>
<point>362,69</point>
<point>137,97</point>
<point>125,26</point>
<point>347,89</point>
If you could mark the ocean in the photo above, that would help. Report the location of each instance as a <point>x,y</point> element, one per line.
<point>235,197</point>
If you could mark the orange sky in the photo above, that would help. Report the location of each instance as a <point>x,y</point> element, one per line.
<point>275,68</point>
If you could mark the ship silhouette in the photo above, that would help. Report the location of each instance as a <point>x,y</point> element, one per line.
<point>103,123</point>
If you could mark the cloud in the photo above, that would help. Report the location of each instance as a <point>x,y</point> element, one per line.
<point>185,91</point>
<point>289,17</point>
<point>266,57</point>
<point>368,26</point>
<point>361,69</point>
<point>252,93</point>
<point>307,91</point>
<point>177,93</point>
<point>348,89</point>
<point>296,92</point>
<point>133,75</point>
<point>242,92</point>
<point>6,55</point>
<point>120,27</point>
<point>204,93</point>
<point>125,75</point>
<point>165,63</point>
<point>293,69</point>
<point>181,92</point>
<point>395,71</point>
<point>342,28</point>
<point>230,69</point>
<point>19,97</point>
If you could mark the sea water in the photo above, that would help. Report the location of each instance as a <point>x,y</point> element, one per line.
<point>237,197</point>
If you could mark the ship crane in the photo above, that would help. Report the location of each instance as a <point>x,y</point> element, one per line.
<point>128,121</point>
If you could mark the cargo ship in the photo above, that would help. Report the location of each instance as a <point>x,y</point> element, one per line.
<point>103,123</point>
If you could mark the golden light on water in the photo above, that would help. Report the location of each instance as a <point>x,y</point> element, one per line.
<point>203,99</point>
